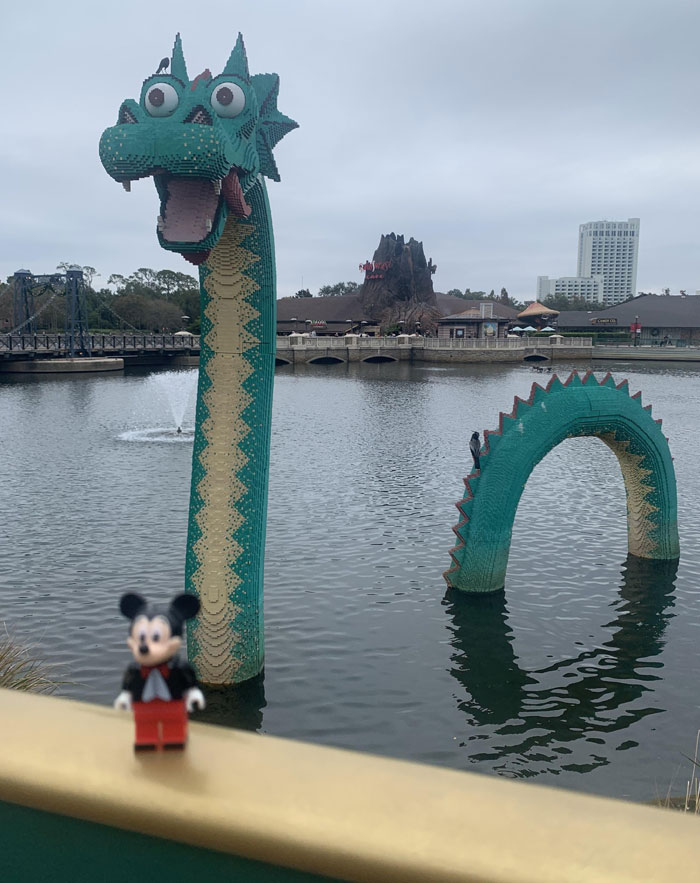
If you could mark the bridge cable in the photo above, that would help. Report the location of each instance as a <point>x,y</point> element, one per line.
<point>39,311</point>
<point>116,314</point>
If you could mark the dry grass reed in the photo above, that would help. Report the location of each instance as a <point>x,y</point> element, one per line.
<point>20,669</point>
<point>691,802</point>
<point>692,789</point>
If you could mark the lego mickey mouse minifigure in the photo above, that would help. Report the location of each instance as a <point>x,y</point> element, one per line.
<point>159,686</point>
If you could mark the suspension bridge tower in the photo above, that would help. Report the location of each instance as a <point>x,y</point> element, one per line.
<point>27,287</point>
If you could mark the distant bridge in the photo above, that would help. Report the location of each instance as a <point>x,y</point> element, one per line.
<point>297,349</point>
<point>153,348</point>
<point>56,346</point>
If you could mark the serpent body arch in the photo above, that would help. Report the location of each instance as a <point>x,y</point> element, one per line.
<point>580,406</point>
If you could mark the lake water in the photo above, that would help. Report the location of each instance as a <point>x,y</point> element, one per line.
<point>584,673</point>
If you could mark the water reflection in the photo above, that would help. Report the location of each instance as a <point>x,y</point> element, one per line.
<point>238,706</point>
<point>549,719</point>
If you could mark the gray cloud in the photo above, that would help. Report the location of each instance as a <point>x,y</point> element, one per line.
<point>489,131</point>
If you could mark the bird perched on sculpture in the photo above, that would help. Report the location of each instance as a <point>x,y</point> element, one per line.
<point>475,448</point>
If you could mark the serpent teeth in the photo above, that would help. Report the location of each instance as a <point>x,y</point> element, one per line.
<point>127,186</point>
<point>209,225</point>
<point>217,186</point>
<point>160,223</point>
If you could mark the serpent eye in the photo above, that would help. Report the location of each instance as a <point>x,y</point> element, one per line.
<point>161,100</point>
<point>228,99</point>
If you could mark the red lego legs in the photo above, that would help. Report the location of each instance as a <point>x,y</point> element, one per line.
<point>160,724</point>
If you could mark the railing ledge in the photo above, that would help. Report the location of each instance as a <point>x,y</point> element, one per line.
<point>326,811</point>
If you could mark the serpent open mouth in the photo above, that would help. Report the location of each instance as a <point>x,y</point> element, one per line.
<point>190,207</point>
<point>206,142</point>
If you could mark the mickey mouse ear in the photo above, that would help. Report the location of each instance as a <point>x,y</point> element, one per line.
<point>132,604</point>
<point>185,606</point>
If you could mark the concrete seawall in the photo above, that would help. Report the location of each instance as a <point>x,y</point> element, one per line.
<point>303,355</point>
<point>61,366</point>
<point>646,353</point>
<point>97,364</point>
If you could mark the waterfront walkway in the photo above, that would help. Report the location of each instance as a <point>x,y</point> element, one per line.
<point>325,350</point>
<point>154,349</point>
<point>647,353</point>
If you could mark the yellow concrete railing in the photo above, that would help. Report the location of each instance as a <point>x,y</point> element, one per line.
<point>323,811</point>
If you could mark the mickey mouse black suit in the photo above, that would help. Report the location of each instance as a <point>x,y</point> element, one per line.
<point>160,687</point>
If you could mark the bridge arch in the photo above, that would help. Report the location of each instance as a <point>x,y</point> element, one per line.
<point>577,407</point>
<point>326,360</point>
<point>377,359</point>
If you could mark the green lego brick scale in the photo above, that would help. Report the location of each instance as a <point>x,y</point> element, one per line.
<point>207,143</point>
<point>580,406</point>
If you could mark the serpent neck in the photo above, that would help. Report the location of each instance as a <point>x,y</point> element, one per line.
<point>228,501</point>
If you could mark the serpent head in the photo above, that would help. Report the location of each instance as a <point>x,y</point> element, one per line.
<point>205,143</point>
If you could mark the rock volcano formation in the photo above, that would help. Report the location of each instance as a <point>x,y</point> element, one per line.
<point>398,286</point>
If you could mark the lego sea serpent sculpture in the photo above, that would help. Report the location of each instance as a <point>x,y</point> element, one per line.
<point>577,407</point>
<point>207,143</point>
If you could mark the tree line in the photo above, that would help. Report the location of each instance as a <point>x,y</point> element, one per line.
<point>503,298</point>
<point>557,302</point>
<point>148,300</point>
<point>337,290</point>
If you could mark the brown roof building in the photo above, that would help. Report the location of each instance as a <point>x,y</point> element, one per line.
<point>340,315</point>
<point>663,319</point>
<point>483,319</point>
<point>536,310</point>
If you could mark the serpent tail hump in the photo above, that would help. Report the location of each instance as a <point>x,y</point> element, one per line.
<point>578,406</point>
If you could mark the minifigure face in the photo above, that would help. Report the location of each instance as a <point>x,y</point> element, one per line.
<point>151,640</point>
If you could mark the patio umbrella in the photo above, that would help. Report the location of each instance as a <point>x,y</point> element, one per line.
<point>529,328</point>
<point>517,328</point>
<point>548,328</point>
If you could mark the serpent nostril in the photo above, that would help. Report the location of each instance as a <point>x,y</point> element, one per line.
<point>125,115</point>
<point>199,115</point>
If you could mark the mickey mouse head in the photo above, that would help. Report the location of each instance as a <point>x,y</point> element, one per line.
<point>155,635</point>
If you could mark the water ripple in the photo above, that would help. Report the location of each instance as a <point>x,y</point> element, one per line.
<point>581,673</point>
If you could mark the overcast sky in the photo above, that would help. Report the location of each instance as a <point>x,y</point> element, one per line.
<point>488,130</point>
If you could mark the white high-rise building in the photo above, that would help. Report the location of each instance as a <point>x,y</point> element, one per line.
<point>588,288</point>
<point>609,249</point>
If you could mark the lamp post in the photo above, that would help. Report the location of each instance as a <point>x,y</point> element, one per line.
<point>637,330</point>
<point>293,319</point>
